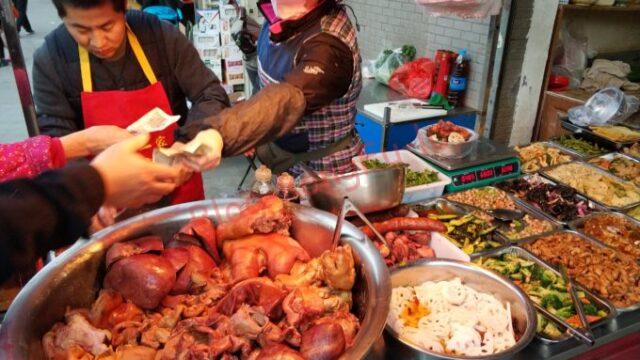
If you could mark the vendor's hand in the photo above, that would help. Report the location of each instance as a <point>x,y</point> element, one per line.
<point>208,160</point>
<point>105,217</point>
<point>92,141</point>
<point>130,180</point>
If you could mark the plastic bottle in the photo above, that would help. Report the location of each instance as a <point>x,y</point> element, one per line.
<point>458,79</point>
<point>286,188</point>
<point>263,185</point>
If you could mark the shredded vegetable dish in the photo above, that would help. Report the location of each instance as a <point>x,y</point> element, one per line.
<point>622,167</point>
<point>539,156</point>
<point>581,146</point>
<point>596,185</point>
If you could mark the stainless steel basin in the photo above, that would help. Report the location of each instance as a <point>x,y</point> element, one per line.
<point>369,190</point>
<point>73,279</point>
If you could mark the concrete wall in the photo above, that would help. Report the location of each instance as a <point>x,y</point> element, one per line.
<point>516,43</point>
<point>393,23</point>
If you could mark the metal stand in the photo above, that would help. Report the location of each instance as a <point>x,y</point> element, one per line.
<point>19,67</point>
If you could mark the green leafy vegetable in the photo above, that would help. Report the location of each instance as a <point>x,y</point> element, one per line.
<point>412,178</point>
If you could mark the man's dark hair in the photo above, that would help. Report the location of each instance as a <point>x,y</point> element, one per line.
<point>118,5</point>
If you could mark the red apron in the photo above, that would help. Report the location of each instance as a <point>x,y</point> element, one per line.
<point>122,108</point>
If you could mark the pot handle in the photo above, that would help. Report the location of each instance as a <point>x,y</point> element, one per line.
<point>348,206</point>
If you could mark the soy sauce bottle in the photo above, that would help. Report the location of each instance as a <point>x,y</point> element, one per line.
<point>263,184</point>
<point>286,188</point>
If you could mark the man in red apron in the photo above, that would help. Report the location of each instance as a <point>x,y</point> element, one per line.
<point>103,66</point>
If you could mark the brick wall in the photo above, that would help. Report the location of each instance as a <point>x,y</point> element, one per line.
<point>393,23</point>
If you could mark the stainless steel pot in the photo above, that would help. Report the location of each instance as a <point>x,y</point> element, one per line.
<point>74,278</point>
<point>369,190</point>
<point>479,279</point>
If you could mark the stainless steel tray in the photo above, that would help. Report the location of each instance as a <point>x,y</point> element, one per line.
<point>578,225</point>
<point>600,303</point>
<point>550,144</point>
<point>588,134</point>
<point>469,209</point>
<point>577,153</point>
<point>593,206</point>
<point>610,157</point>
<point>521,205</point>
<point>594,242</point>
<point>605,173</point>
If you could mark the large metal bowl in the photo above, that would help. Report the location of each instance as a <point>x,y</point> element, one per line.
<point>479,279</point>
<point>369,190</point>
<point>73,279</point>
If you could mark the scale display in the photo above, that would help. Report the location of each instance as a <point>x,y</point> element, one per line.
<point>490,174</point>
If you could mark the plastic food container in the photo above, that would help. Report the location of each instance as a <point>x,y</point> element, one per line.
<point>444,149</point>
<point>414,193</point>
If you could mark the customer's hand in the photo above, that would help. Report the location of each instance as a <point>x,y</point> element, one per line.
<point>92,141</point>
<point>130,180</point>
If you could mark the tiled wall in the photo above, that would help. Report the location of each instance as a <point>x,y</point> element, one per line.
<point>393,23</point>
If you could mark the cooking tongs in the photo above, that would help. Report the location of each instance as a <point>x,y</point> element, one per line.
<point>583,332</point>
<point>348,206</point>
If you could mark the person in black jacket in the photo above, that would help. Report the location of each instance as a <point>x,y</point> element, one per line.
<point>54,209</point>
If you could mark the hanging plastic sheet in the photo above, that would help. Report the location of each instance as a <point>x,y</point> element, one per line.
<point>466,9</point>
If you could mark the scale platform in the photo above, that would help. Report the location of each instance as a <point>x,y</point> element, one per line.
<point>487,164</point>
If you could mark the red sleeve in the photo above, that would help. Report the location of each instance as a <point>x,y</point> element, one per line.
<point>30,157</point>
<point>58,158</point>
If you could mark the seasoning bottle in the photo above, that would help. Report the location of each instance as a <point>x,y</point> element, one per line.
<point>458,79</point>
<point>286,188</point>
<point>263,184</point>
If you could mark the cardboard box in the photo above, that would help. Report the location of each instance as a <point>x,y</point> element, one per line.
<point>216,67</point>
<point>228,12</point>
<point>208,22</point>
<point>201,42</point>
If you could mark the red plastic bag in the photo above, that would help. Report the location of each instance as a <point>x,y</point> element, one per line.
<point>414,79</point>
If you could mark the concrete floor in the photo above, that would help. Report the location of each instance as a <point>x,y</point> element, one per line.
<point>220,182</point>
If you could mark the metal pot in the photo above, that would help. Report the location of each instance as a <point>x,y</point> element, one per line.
<point>74,278</point>
<point>369,190</point>
<point>479,279</point>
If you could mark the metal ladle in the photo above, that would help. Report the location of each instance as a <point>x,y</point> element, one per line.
<point>348,206</point>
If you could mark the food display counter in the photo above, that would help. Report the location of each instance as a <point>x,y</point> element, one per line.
<point>268,250</point>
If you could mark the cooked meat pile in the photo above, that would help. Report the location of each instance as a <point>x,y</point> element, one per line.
<point>615,231</point>
<point>261,297</point>
<point>609,273</point>
<point>407,239</point>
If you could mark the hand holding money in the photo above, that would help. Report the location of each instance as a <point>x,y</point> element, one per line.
<point>154,120</point>
<point>202,153</point>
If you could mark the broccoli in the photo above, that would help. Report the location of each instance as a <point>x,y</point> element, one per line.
<point>527,274</point>
<point>517,276</point>
<point>551,301</point>
<point>566,312</point>
<point>547,278</point>
<point>512,267</point>
<point>552,331</point>
<point>542,322</point>
<point>590,309</point>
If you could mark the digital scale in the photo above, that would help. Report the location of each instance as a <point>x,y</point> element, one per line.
<point>487,164</point>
